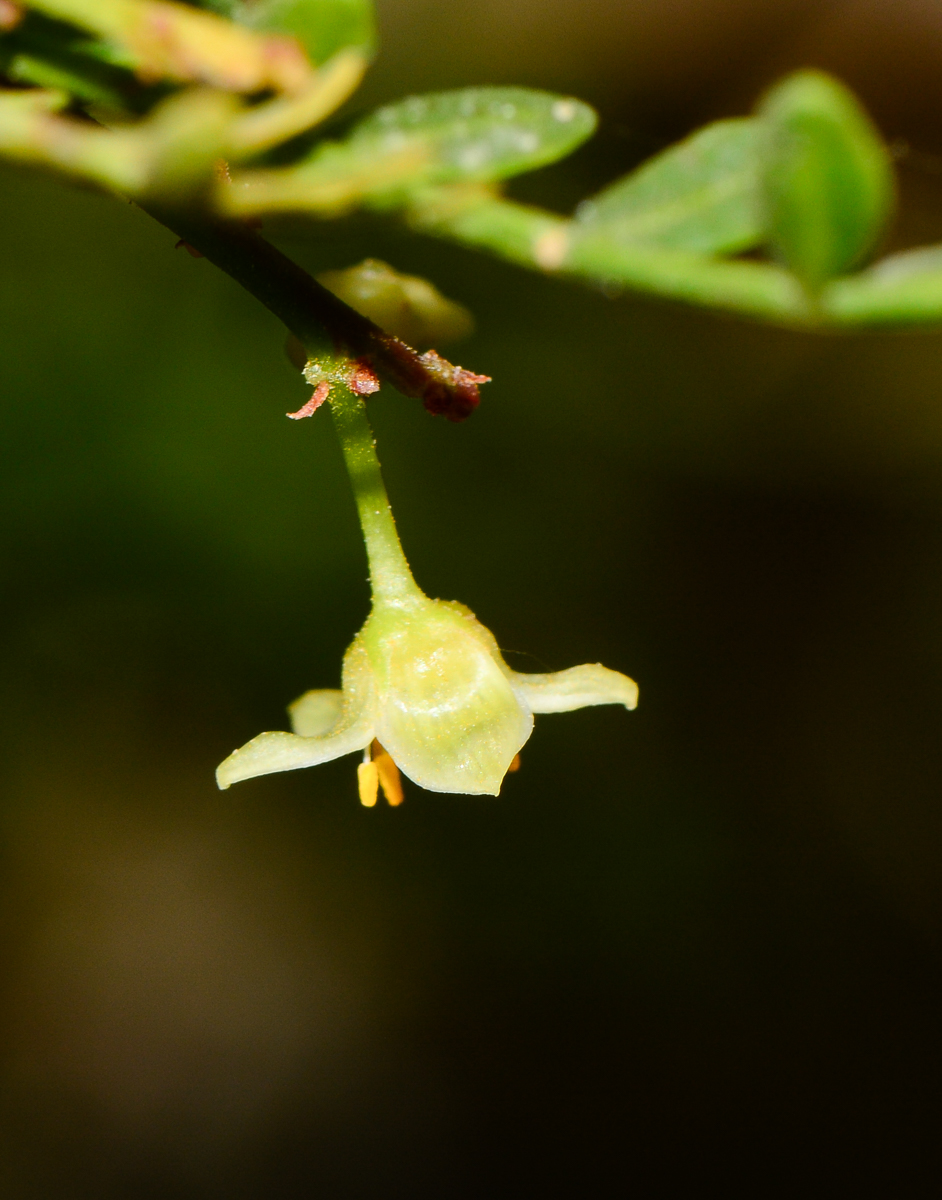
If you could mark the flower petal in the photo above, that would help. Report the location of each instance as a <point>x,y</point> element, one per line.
<point>578,687</point>
<point>353,730</point>
<point>316,713</point>
<point>446,711</point>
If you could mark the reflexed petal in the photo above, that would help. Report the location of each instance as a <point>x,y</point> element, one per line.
<point>316,713</point>
<point>579,687</point>
<point>354,730</point>
<point>270,752</point>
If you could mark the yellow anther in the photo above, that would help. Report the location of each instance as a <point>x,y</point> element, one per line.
<point>368,783</point>
<point>388,773</point>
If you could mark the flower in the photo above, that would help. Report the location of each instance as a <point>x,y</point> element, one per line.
<point>426,680</point>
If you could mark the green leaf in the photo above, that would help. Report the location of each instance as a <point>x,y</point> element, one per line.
<point>753,288</point>
<point>478,134</point>
<point>476,216</point>
<point>467,136</point>
<point>539,239</point>
<point>183,44</point>
<point>50,53</point>
<point>700,195</point>
<point>904,289</point>
<point>827,178</point>
<point>323,27</point>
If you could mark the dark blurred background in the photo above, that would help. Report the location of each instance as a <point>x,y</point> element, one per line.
<point>694,947</point>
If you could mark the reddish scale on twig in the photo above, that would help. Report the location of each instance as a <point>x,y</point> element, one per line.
<point>444,389</point>
<point>453,392</point>
<point>321,392</point>
<point>363,379</point>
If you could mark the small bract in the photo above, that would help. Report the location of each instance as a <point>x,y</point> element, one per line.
<point>426,679</point>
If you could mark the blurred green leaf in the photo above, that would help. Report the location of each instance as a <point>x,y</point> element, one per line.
<point>281,118</point>
<point>479,134</point>
<point>753,288</point>
<point>183,44</point>
<point>50,53</point>
<point>700,195</point>
<point>321,26</point>
<point>827,179</point>
<point>475,215</point>
<point>470,135</point>
<point>479,218</point>
<point>168,155</point>
<point>904,289</point>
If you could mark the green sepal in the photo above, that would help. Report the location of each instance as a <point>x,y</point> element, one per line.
<point>700,195</point>
<point>826,177</point>
<point>323,27</point>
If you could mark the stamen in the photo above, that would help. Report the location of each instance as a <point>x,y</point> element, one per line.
<point>515,765</point>
<point>388,773</point>
<point>368,783</point>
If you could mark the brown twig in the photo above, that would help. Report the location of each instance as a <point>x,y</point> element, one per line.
<point>322,322</point>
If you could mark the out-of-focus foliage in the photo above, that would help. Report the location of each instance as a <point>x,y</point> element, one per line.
<point>162,39</point>
<point>49,53</point>
<point>807,178</point>
<point>406,305</point>
<point>475,135</point>
<point>899,287</point>
<point>323,27</point>
<point>701,195</point>
<point>827,179</point>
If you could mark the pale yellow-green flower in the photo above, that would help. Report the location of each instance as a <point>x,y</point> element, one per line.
<point>426,679</point>
<point>425,688</point>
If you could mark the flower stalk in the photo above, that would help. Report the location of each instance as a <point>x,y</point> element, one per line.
<point>390,576</point>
